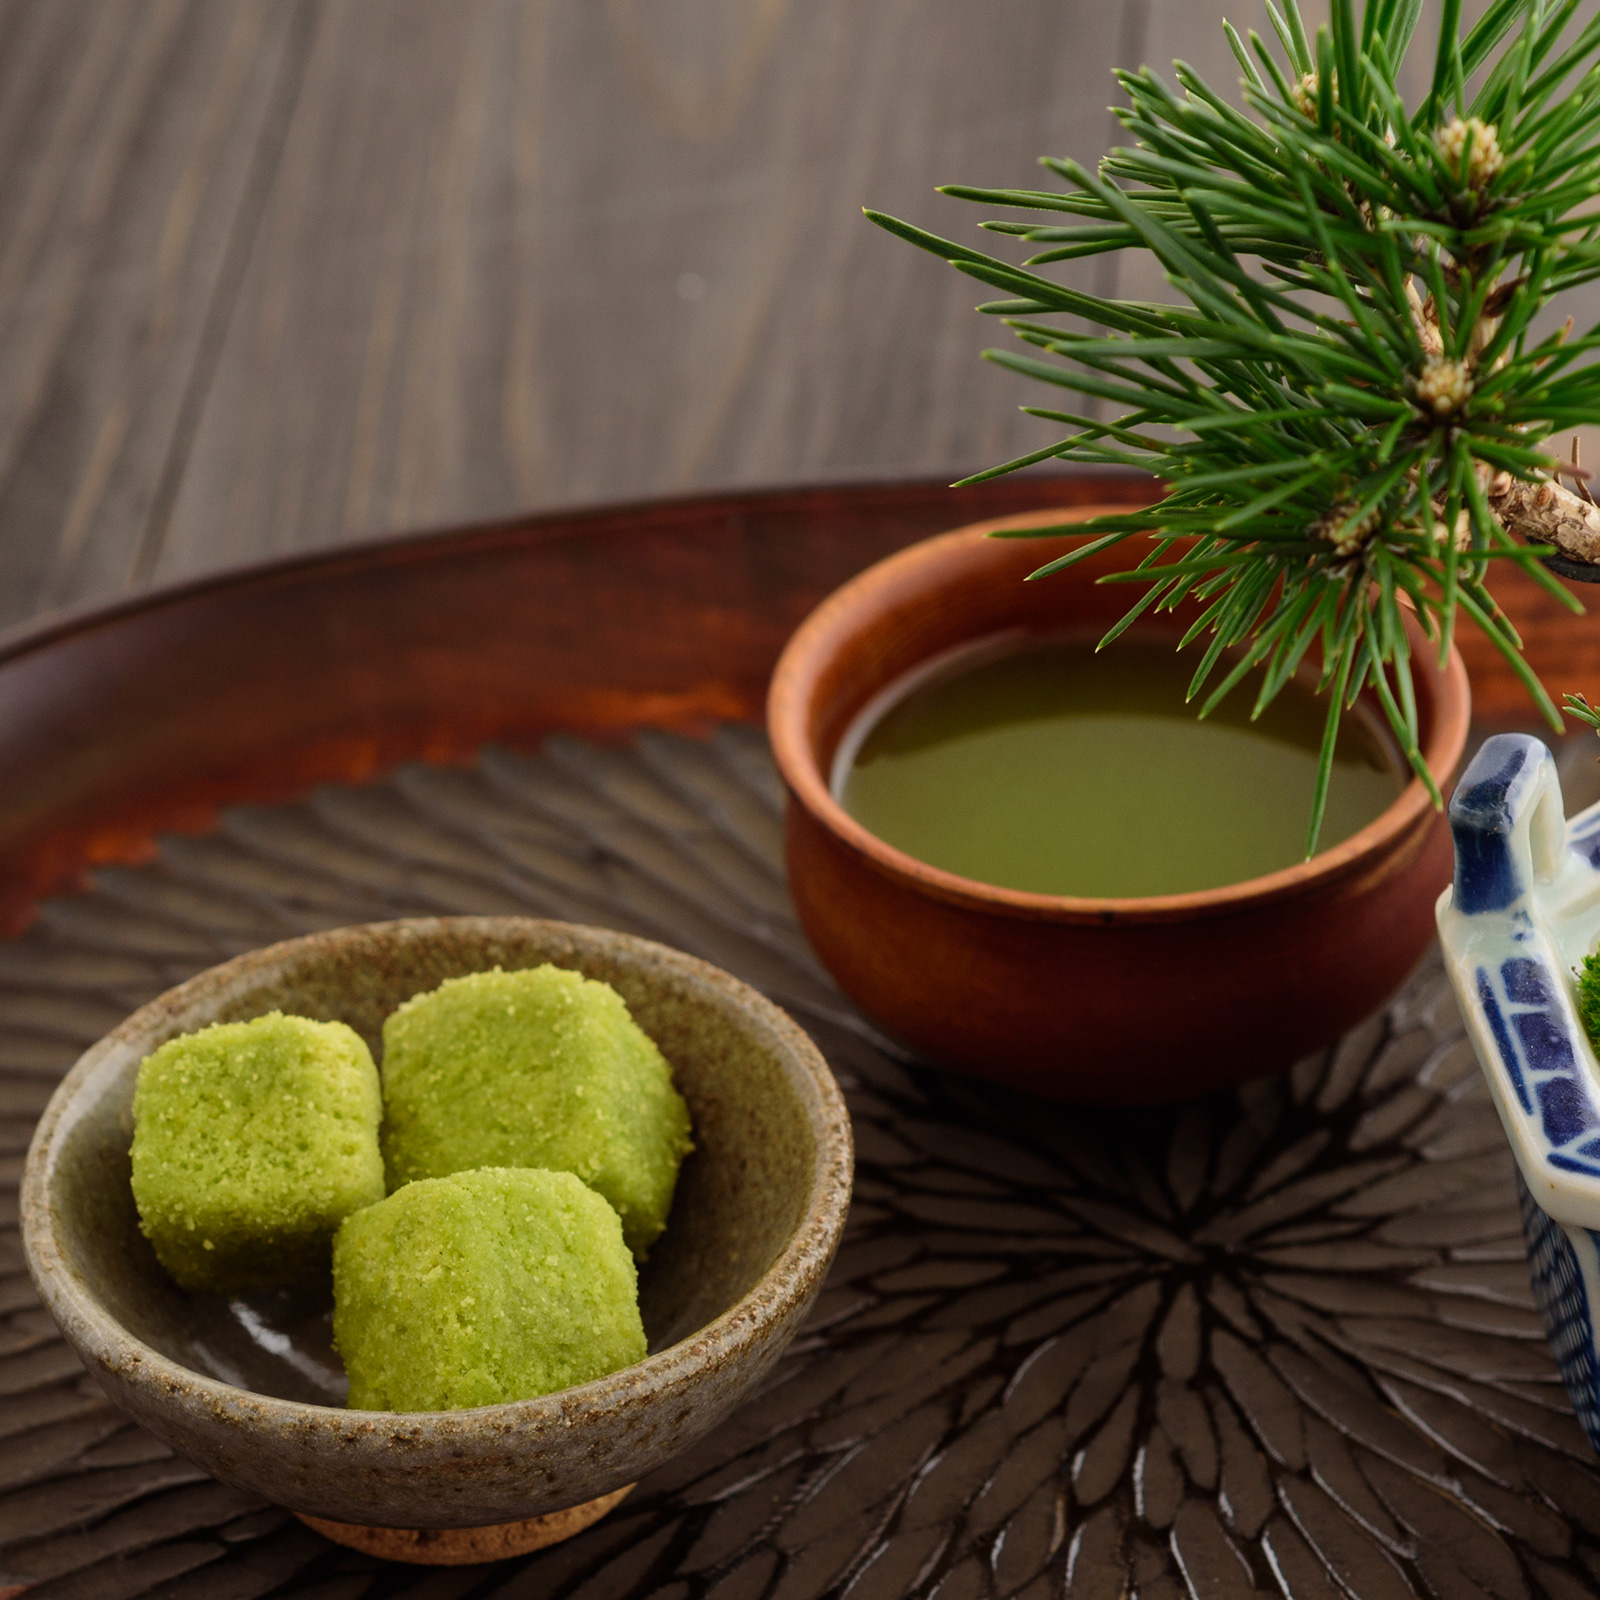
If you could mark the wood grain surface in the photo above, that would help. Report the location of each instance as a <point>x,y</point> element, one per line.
<point>279,273</point>
<point>274,273</point>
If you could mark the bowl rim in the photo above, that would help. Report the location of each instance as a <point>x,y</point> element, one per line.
<point>785,1284</point>
<point>852,608</point>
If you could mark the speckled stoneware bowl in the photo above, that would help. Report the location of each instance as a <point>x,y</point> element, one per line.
<point>251,1389</point>
<point>1523,912</point>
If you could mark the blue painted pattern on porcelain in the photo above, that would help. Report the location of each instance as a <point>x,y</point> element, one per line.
<point>1502,1039</point>
<point>1587,843</point>
<point>1557,1276</point>
<point>1534,1034</point>
<point>1523,911</point>
<point>1485,799</point>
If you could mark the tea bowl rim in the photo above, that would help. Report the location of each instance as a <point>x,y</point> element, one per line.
<point>172,1388</point>
<point>850,608</point>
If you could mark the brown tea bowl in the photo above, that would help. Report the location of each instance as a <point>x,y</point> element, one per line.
<point>1102,1001</point>
<point>251,1390</point>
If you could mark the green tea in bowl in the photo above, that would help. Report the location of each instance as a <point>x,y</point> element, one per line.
<point>1108,998</point>
<point>1043,766</point>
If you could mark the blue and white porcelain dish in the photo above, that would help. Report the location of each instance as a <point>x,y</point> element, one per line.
<point>1522,913</point>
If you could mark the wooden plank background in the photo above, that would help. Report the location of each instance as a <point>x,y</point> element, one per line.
<point>276,274</point>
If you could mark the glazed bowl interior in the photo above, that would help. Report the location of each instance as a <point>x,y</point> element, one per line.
<point>757,1210</point>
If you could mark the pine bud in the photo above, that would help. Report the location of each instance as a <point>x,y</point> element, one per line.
<point>1304,94</point>
<point>1345,537</point>
<point>1444,386</point>
<point>1486,159</point>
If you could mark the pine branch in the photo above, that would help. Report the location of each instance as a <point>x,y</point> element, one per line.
<point>1329,469</point>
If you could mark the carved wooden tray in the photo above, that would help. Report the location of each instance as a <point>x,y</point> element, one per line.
<point>1280,1341</point>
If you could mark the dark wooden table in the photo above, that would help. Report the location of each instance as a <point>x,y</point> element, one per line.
<point>275,274</point>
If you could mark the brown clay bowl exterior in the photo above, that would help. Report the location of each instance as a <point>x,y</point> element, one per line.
<point>1095,1000</point>
<point>757,1215</point>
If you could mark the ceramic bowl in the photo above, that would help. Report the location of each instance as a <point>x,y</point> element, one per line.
<point>251,1390</point>
<point>1522,913</point>
<point>1099,1000</point>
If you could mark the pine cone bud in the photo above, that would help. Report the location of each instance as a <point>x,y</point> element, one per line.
<point>1486,159</point>
<point>1346,540</point>
<point>1444,386</point>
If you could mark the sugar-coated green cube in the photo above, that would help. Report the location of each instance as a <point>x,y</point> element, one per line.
<point>482,1287</point>
<point>252,1142</point>
<point>537,1068</point>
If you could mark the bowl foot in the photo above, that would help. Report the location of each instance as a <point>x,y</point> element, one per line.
<point>459,1547</point>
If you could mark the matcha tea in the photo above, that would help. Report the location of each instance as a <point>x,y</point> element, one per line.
<point>1056,770</point>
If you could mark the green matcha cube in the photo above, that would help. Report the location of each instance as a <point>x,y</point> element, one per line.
<point>538,1068</point>
<point>252,1142</point>
<point>482,1287</point>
